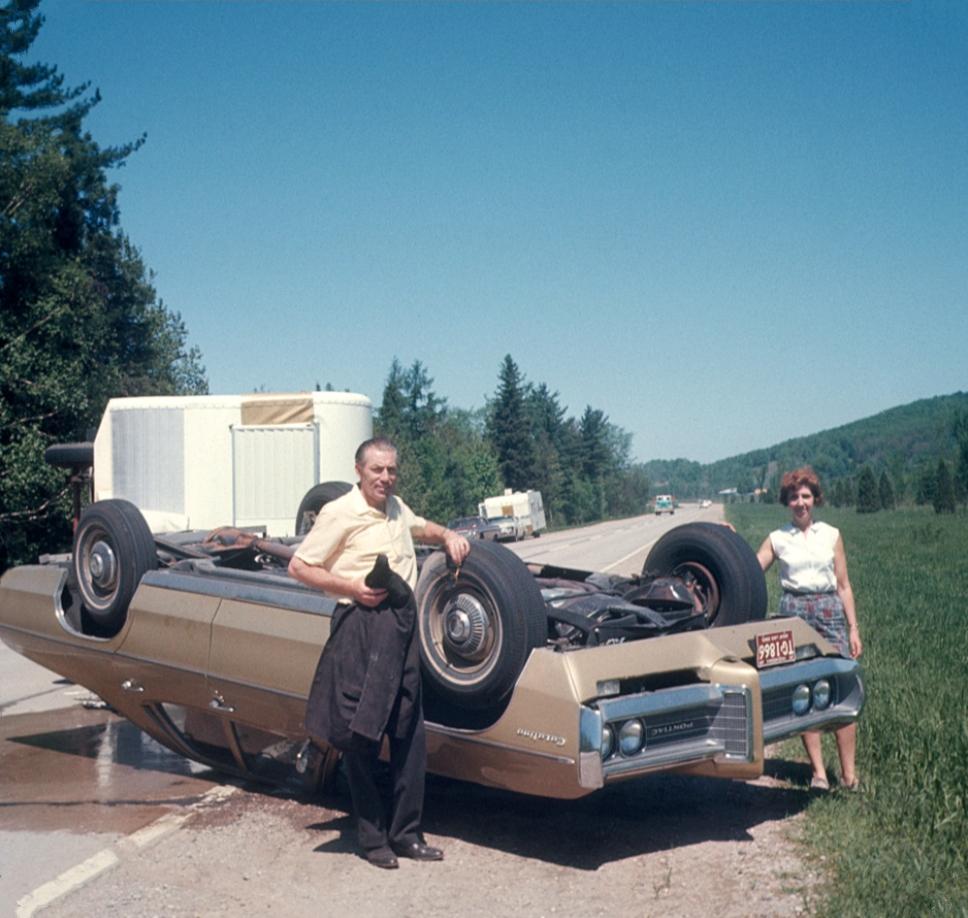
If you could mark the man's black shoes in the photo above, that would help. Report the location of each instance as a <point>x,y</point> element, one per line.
<point>386,857</point>
<point>417,850</point>
<point>382,857</point>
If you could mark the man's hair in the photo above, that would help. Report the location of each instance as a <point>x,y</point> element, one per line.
<point>799,478</point>
<point>378,443</point>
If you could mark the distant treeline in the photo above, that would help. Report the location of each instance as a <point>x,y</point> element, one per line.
<point>523,439</point>
<point>918,451</point>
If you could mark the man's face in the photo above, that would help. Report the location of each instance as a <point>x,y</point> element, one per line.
<point>378,476</point>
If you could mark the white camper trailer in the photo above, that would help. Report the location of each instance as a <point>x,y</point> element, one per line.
<point>197,462</point>
<point>518,513</point>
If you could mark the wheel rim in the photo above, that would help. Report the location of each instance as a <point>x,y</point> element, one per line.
<point>703,584</point>
<point>463,633</point>
<point>97,568</point>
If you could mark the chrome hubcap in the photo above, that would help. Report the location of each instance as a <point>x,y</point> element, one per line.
<point>102,565</point>
<point>466,625</point>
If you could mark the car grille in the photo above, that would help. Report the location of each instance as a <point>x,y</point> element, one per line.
<point>681,725</point>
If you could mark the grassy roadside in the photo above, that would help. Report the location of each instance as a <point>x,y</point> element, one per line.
<point>901,846</point>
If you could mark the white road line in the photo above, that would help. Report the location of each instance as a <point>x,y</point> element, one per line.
<point>67,882</point>
<point>74,878</point>
<point>631,554</point>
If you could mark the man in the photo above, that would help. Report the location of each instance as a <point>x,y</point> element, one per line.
<point>367,683</point>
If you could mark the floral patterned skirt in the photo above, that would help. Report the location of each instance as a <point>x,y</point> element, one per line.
<point>824,612</point>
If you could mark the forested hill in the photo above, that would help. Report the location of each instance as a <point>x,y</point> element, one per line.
<point>902,441</point>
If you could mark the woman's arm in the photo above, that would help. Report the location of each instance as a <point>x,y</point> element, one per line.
<point>846,594</point>
<point>766,556</point>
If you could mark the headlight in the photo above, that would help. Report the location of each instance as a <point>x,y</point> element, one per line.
<point>801,699</point>
<point>821,694</point>
<point>608,741</point>
<point>631,737</point>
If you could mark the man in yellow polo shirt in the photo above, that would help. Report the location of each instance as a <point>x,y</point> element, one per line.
<point>367,683</point>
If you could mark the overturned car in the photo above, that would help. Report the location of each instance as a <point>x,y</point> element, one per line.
<point>539,679</point>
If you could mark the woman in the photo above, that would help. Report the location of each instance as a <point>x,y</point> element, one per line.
<point>813,574</point>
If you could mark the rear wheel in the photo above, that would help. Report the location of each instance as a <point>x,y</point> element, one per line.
<point>720,568</point>
<point>314,500</point>
<point>113,549</point>
<point>477,628</point>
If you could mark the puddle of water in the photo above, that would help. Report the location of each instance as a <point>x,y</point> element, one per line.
<point>89,771</point>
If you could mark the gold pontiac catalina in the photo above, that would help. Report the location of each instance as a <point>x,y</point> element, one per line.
<point>538,679</point>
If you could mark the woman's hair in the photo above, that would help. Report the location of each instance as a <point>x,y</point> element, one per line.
<point>799,478</point>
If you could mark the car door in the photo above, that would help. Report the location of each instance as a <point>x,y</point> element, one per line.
<point>161,667</point>
<point>266,641</point>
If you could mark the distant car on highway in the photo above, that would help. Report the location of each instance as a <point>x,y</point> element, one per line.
<point>664,503</point>
<point>704,503</point>
<point>475,527</point>
<point>508,528</point>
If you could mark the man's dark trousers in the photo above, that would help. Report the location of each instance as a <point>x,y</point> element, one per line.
<point>407,774</point>
<point>367,686</point>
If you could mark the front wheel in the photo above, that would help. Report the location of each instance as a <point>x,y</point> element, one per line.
<point>718,566</point>
<point>477,627</point>
<point>113,549</point>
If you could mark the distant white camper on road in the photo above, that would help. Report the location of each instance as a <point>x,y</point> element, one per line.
<point>519,514</point>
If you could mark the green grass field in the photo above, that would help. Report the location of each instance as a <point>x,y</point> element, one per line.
<point>901,846</point>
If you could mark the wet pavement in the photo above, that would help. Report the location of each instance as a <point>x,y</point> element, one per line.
<point>74,780</point>
<point>88,771</point>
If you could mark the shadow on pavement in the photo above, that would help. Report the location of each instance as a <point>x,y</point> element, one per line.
<point>642,816</point>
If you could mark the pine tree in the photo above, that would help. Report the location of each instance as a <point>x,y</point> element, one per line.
<point>927,484</point>
<point>868,498</point>
<point>886,492</point>
<point>509,429</point>
<point>960,429</point>
<point>944,495</point>
<point>389,421</point>
<point>548,425</point>
<point>79,319</point>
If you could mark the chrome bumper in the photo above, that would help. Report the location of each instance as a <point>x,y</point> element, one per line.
<point>777,686</point>
<point>695,723</point>
<point>680,726</point>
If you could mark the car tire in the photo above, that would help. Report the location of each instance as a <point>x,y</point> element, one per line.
<point>113,549</point>
<point>476,628</point>
<point>721,567</point>
<point>314,500</point>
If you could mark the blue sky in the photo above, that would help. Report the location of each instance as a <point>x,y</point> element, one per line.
<point>723,224</point>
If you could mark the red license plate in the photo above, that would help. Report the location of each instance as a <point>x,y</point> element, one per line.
<point>775,647</point>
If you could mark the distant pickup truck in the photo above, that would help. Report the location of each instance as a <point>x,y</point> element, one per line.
<point>518,514</point>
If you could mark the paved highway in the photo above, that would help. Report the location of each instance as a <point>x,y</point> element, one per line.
<point>618,546</point>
